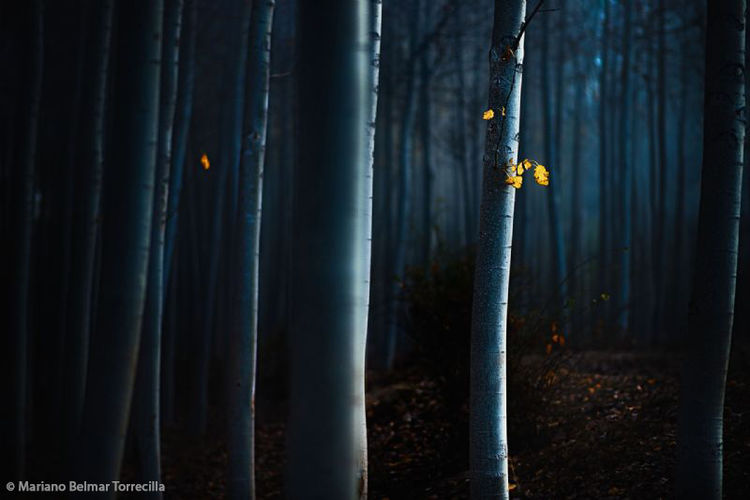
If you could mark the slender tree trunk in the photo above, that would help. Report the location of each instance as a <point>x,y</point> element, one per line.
<point>235,111</point>
<point>185,88</point>
<point>488,423</point>
<point>404,189</point>
<point>146,402</point>
<point>663,167</point>
<point>699,458</point>
<point>428,176</point>
<point>623,315</point>
<point>128,201</point>
<point>20,268</point>
<point>577,219</point>
<point>373,76</point>
<point>603,151</point>
<point>329,301</point>
<point>244,322</point>
<point>551,155</point>
<point>463,159</point>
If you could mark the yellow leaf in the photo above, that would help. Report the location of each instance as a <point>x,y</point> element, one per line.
<point>526,164</point>
<point>204,161</point>
<point>515,181</point>
<point>488,115</point>
<point>541,175</point>
<point>502,110</point>
<point>512,486</point>
<point>519,169</point>
<point>555,338</point>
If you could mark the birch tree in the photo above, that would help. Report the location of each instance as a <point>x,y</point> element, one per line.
<point>488,422</point>
<point>128,200</point>
<point>330,262</point>
<point>244,326</point>
<point>699,460</point>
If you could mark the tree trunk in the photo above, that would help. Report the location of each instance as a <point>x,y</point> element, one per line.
<point>127,210</point>
<point>699,458</point>
<point>488,423</point>
<point>425,125</point>
<point>20,267</point>
<point>86,213</point>
<point>373,76</point>
<point>244,320</point>
<point>185,89</point>
<point>404,189</point>
<point>626,171</point>
<point>329,301</point>
<point>603,152</point>
<point>146,403</point>
<point>551,155</point>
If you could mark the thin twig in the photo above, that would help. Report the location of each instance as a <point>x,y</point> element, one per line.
<point>525,24</point>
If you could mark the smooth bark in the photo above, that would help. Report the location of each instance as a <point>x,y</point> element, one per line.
<point>126,234</point>
<point>244,319</point>
<point>488,421</point>
<point>329,301</point>
<point>700,429</point>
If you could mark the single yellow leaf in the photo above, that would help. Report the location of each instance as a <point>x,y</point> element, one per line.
<point>488,115</point>
<point>502,110</point>
<point>204,161</point>
<point>515,181</point>
<point>512,486</point>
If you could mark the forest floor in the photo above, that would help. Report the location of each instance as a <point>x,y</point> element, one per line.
<point>605,428</point>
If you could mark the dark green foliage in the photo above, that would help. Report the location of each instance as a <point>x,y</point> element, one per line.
<point>438,304</point>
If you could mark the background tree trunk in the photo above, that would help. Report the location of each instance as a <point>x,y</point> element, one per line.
<point>244,322</point>
<point>127,210</point>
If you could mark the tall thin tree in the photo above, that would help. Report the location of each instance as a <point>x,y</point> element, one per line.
<point>329,301</point>
<point>146,403</point>
<point>85,220</point>
<point>126,234</point>
<point>488,422</point>
<point>20,267</point>
<point>244,326</point>
<point>700,429</point>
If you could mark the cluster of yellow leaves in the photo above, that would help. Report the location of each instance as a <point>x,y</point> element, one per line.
<point>204,161</point>
<point>490,113</point>
<point>515,171</point>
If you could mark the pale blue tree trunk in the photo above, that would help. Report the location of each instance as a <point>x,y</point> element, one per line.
<point>244,316</point>
<point>186,86</point>
<point>126,235</point>
<point>329,301</point>
<point>488,421</point>
<point>146,401</point>
<point>373,76</point>
<point>699,458</point>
